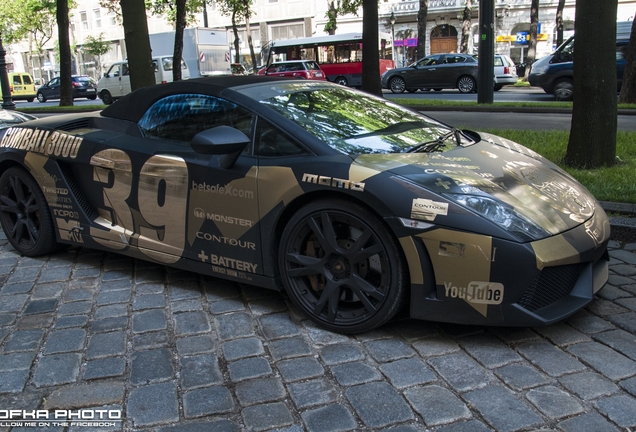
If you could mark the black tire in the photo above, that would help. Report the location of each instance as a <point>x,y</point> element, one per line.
<point>497,87</point>
<point>342,81</point>
<point>342,267</point>
<point>29,100</point>
<point>40,97</point>
<point>24,214</point>
<point>437,89</point>
<point>397,85</point>
<point>91,97</point>
<point>411,90</point>
<point>466,84</point>
<point>106,97</point>
<point>564,90</point>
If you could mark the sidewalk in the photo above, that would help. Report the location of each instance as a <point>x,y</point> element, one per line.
<point>175,351</point>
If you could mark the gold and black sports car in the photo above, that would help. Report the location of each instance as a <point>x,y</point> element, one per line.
<point>354,205</point>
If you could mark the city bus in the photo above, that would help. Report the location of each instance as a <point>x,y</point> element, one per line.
<point>339,56</point>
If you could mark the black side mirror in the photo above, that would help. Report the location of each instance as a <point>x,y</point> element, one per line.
<point>221,140</point>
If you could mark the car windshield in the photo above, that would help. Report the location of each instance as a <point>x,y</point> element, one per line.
<point>356,123</point>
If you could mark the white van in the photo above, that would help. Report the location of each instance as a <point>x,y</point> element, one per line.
<point>116,82</point>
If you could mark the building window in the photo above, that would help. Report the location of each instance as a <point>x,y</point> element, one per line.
<point>84,20</point>
<point>291,31</point>
<point>272,1</point>
<point>112,19</point>
<point>98,17</point>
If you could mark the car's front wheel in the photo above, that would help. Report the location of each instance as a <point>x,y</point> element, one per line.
<point>106,97</point>
<point>564,90</point>
<point>24,214</point>
<point>342,267</point>
<point>466,84</point>
<point>342,81</point>
<point>397,85</point>
<point>40,96</point>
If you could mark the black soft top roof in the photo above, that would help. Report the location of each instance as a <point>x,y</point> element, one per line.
<point>134,105</point>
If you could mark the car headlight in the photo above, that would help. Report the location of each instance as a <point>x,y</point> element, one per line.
<point>538,69</point>
<point>501,214</point>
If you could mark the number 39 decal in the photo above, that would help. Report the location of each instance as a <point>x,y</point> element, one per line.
<point>158,228</point>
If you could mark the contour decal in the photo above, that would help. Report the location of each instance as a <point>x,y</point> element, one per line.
<point>426,209</point>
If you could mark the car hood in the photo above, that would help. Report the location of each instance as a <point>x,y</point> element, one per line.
<point>498,168</point>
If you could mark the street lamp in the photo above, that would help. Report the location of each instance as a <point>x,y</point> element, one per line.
<point>7,101</point>
<point>392,21</point>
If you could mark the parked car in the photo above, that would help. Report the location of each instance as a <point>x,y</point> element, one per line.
<point>554,73</point>
<point>21,85</point>
<point>83,87</point>
<point>116,82</point>
<point>307,69</point>
<point>437,72</point>
<point>505,71</point>
<point>9,118</point>
<point>352,204</point>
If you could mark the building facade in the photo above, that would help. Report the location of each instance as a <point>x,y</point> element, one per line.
<point>287,19</point>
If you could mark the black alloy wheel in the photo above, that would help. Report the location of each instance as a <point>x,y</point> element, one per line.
<point>24,214</point>
<point>342,266</point>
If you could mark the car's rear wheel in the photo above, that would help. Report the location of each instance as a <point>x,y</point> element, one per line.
<point>29,100</point>
<point>342,81</point>
<point>342,267</point>
<point>106,97</point>
<point>41,97</point>
<point>466,84</point>
<point>411,90</point>
<point>397,85</point>
<point>24,214</point>
<point>564,90</point>
<point>497,87</point>
<point>91,97</point>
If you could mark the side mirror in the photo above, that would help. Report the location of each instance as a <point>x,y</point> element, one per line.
<point>221,140</point>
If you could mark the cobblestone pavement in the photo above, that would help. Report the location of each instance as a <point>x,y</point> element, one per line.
<point>175,351</point>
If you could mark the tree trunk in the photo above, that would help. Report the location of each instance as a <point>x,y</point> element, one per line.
<point>466,24</point>
<point>422,16</point>
<point>248,30</point>
<point>142,72</point>
<point>592,141</point>
<point>370,43</point>
<point>66,85</point>
<point>628,90</point>
<point>559,22</point>
<point>534,26</point>
<point>178,40</point>
<point>237,46</point>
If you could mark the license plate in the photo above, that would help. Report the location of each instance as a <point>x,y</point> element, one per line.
<point>90,90</point>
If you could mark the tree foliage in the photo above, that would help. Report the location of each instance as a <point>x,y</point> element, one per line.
<point>466,25</point>
<point>422,16</point>
<point>534,27</point>
<point>339,7</point>
<point>559,22</point>
<point>135,22</point>
<point>592,141</point>
<point>628,90</point>
<point>370,53</point>
<point>66,86</point>
<point>240,11</point>
<point>96,47</point>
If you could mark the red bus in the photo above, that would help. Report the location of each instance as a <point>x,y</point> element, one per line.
<point>339,56</point>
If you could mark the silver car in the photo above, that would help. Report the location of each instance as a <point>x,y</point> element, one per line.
<point>437,72</point>
<point>505,71</point>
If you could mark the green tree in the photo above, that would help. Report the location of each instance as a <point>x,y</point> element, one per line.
<point>370,53</point>
<point>96,47</point>
<point>559,22</point>
<point>339,7</point>
<point>135,22</point>
<point>628,89</point>
<point>66,85</point>
<point>534,27</point>
<point>466,25</point>
<point>240,11</point>
<point>181,13</point>
<point>592,141</point>
<point>422,17</point>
